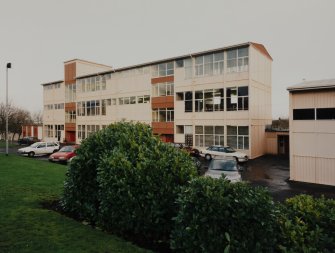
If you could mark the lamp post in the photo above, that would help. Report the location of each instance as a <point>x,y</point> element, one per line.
<point>9,65</point>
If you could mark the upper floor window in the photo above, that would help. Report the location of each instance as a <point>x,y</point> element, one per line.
<point>163,89</point>
<point>210,64</point>
<point>304,114</point>
<point>238,59</point>
<point>325,113</point>
<point>94,83</point>
<point>70,92</point>
<point>238,98</point>
<point>163,115</point>
<point>209,100</point>
<point>163,69</point>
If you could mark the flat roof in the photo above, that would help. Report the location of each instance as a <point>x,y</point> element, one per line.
<point>54,82</point>
<point>313,85</point>
<point>257,46</point>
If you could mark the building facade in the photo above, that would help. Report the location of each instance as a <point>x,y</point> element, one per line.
<point>312,132</point>
<point>215,97</point>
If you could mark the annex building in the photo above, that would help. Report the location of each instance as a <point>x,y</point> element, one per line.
<point>312,132</point>
<point>215,97</point>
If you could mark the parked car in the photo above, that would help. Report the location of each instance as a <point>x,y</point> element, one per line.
<point>224,166</point>
<point>192,151</point>
<point>64,155</point>
<point>39,148</point>
<point>226,151</point>
<point>28,140</point>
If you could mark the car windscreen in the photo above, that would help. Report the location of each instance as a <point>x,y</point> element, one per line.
<point>229,150</point>
<point>34,145</point>
<point>224,165</point>
<point>66,149</point>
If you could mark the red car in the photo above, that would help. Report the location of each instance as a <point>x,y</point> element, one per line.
<point>64,155</point>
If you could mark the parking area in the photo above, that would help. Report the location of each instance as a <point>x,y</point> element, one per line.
<point>268,171</point>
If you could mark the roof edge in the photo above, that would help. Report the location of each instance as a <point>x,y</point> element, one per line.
<point>54,82</point>
<point>261,48</point>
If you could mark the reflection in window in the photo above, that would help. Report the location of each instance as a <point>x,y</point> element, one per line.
<point>206,136</point>
<point>238,59</point>
<point>238,137</point>
<point>237,98</point>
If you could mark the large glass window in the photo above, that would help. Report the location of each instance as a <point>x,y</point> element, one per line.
<point>94,83</point>
<point>70,92</point>
<point>81,132</point>
<point>304,114</point>
<point>237,98</point>
<point>70,117</point>
<point>188,99</point>
<point>210,64</point>
<point>206,136</point>
<point>48,130</point>
<point>163,115</point>
<point>237,59</point>
<point>209,100</point>
<point>163,69</point>
<point>325,113</point>
<point>163,89</point>
<point>238,137</point>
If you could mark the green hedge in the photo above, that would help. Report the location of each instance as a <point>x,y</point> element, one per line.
<point>307,224</point>
<point>126,180</point>
<point>215,215</point>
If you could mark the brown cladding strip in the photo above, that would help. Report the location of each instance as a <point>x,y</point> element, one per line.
<point>162,79</point>
<point>70,73</point>
<point>162,102</point>
<point>70,106</point>
<point>162,127</point>
<point>70,126</point>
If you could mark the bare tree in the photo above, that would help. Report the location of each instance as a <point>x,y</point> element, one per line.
<point>37,117</point>
<point>16,118</point>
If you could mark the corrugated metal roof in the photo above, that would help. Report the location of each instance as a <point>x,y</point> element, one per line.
<point>313,85</point>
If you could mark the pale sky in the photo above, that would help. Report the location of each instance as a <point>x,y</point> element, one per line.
<point>37,36</point>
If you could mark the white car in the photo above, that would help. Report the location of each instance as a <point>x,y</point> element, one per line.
<point>224,166</point>
<point>219,151</point>
<point>39,148</point>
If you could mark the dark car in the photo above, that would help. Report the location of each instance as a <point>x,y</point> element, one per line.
<point>28,140</point>
<point>192,151</point>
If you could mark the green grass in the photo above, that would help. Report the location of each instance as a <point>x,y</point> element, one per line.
<point>26,227</point>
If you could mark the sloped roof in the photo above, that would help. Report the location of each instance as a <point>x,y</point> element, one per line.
<point>313,85</point>
<point>262,49</point>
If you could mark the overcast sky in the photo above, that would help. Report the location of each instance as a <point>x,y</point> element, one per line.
<point>37,36</point>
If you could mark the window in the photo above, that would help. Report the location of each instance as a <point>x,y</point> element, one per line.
<point>325,113</point>
<point>163,89</point>
<point>57,85</point>
<point>163,69</point>
<point>304,114</point>
<point>81,132</point>
<point>49,132</point>
<point>114,101</point>
<point>238,98</point>
<point>59,106</point>
<point>81,108</point>
<point>58,129</point>
<point>179,129</point>
<point>70,117</point>
<point>238,59</point>
<point>206,136</point>
<point>70,92</point>
<point>103,106</point>
<point>92,129</point>
<point>209,100</point>
<point>180,63</point>
<point>210,64</point>
<point>188,101</point>
<point>238,137</point>
<point>163,115</point>
<point>94,83</point>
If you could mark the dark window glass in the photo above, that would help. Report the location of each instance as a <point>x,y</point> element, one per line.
<point>243,91</point>
<point>188,95</point>
<point>304,114</point>
<point>325,113</point>
<point>188,106</point>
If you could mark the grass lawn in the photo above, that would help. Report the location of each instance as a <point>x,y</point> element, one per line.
<point>26,227</point>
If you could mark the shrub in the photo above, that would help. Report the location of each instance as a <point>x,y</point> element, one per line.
<point>215,215</point>
<point>127,180</point>
<point>307,224</point>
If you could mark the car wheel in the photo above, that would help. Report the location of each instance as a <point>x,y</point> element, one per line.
<point>54,151</point>
<point>31,154</point>
<point>208,157</point>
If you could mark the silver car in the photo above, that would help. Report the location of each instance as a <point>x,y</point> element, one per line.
<point>224,166</point>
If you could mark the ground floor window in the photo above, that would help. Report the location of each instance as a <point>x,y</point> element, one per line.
<point>81,132</point>
<point>49,131</point>
<point>209,135</point>
<point>238,137</point>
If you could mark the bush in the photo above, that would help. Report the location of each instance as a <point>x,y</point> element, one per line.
<point>215,215</point>
<point>307,225</point>
<point>127,180</point>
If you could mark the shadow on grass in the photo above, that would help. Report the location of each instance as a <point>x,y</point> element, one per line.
<point>161,247</point>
